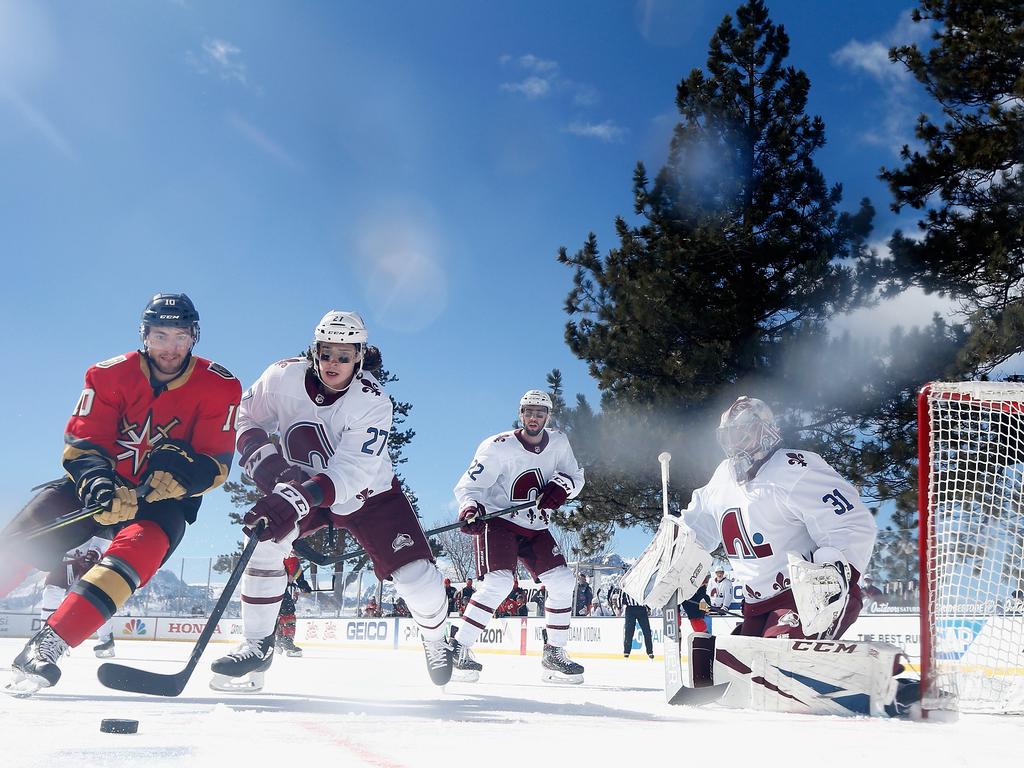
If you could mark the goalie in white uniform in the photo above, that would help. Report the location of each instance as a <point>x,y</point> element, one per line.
<point>508,469</point>
<point>798,538</point>
<point>331,466</point>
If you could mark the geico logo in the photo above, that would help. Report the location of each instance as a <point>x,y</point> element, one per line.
<point>366,630</point>
<point>823,646</point>
<point>186,628</point>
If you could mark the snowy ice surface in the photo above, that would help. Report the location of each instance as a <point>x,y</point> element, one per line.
<point>356,707</point>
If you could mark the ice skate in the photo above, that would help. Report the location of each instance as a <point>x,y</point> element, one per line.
<point>36,666</point>
<point>105,649</point>
<point>241,671</point>
<point>559,668</point>
<point>440,656</point>
<point>466,669</point>
<point>290,648</point>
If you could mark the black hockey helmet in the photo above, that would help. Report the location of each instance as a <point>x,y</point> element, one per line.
<point>170,310</point>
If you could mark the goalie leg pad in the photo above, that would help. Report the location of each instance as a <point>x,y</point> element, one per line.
<point>673,560</point>
<point>818,677</point>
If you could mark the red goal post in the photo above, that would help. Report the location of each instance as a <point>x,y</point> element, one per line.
<point>971,540</point>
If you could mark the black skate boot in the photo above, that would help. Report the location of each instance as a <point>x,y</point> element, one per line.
<point>440,657</point>
<point>241,671</point>
<point>105,649</point>
<point>466,669</point>
<point>290,648</point>
<point>559,668</point>
<point>36,666</point>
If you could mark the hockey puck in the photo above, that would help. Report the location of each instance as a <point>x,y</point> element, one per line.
<point>119,726</point>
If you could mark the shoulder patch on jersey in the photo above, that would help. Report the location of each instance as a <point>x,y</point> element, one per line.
<point>502,437</point>
<point>369,385</point>
<point>221,371</point>
<point>112,361</point>
<point>288,361</point>
<point>795,459</point>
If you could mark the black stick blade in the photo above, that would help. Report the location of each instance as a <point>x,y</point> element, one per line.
<point>697,697</point>
<point>122,678</point>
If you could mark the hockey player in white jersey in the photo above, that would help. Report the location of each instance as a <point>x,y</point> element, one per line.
<point>332,465</point>
<point>508,469</point>
<point>764,502</point>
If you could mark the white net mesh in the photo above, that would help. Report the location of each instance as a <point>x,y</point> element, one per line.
<point>974,530</point>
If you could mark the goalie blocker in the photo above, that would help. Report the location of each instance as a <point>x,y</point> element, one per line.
<point>674,560</point>
<point>816,677</point>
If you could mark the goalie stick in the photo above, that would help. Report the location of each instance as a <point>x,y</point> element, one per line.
<point>676,692</point>
<point>320,558</point>
<point>122,678</point>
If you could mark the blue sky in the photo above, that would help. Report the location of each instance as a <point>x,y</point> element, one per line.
<point>419,163</point>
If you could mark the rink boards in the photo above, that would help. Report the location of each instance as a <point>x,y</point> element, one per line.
<point>588,637</point>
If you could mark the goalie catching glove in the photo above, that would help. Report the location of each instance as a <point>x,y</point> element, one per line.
<point>821,589</point>
<point>673,560</point>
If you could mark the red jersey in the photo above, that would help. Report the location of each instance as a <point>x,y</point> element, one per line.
<point>121,415</point>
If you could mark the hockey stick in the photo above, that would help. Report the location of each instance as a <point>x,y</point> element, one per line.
<point>70,517</point>
<point>122,678</point>
<point>319,558</point>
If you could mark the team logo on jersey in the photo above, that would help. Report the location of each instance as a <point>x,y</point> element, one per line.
<point>796,459</point>
<point>781,582</point>
<point>401,540</point>
<point>140,439</point>
<point>789,619</point>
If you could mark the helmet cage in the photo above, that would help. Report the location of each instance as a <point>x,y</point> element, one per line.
<point>748,434</point>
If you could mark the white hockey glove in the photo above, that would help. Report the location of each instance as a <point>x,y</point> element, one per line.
<point>821,589</point>
<point>673,560</point>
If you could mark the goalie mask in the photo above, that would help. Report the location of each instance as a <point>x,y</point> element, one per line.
<point>531,401</point>
<point>748,434</point>
<point>338,327</point>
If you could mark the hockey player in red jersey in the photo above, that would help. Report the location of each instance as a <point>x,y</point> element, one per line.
<point>152,432</point>
<point>297,583</point>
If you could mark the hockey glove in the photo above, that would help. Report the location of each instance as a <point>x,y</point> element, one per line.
<point>469,517</point>
<point>123,507</point>
<point>557,490</point>
<point>175,471</point>
<point>267,467</point>
<point>282,510</point>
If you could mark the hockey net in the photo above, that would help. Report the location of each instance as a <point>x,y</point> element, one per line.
<point>971,493</point>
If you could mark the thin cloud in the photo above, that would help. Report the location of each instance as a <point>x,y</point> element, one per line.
<point>531,87</point>
<point>222,58</point>
<point>260,140</point>
<point>39,122</point>
<point>606,131</point>
<point>871,58</point>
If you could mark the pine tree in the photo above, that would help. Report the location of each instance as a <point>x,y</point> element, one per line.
<point>739,259</point>
<point>968,179</point>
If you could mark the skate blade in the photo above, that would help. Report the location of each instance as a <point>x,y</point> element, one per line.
<point>560,678</point>
<point>104,654</point>
<point>293,654</point>
<point>465,675</point>
<point>251,683</point>
<point>21,686</point>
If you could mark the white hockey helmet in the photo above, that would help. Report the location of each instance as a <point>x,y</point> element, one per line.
<point>535,397</point>
<point>748,434</point>
<point>337,327</point>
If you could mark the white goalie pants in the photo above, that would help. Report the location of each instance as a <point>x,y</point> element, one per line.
<point>419,583</point>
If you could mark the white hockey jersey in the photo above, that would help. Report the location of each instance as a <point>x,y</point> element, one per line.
<point>506,472</point>
<point>795,503</point>
<point>720,592</point>
<point>346,439</point>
